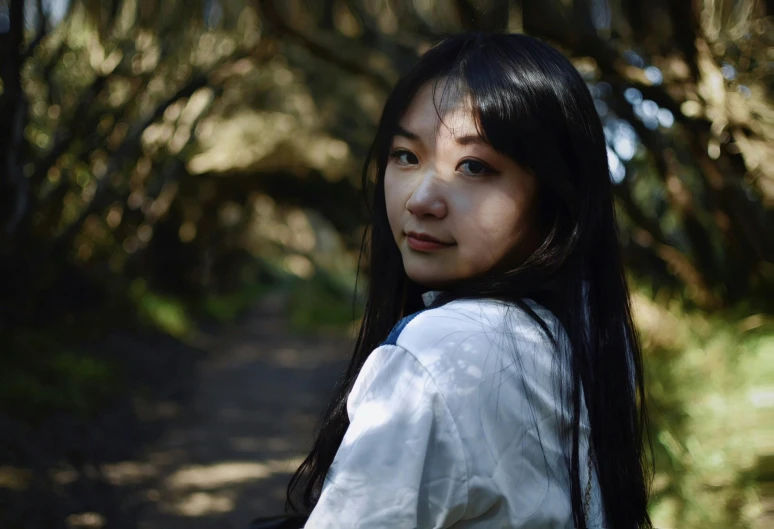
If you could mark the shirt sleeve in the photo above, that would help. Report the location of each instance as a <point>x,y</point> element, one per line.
<point>401,463</point>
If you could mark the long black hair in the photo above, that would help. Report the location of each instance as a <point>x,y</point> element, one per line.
<point>531,104</point>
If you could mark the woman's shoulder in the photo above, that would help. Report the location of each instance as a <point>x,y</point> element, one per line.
<point>497,372</point>
<point>461,324</point>
<point>467,343</point>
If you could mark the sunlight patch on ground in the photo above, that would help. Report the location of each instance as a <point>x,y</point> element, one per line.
<point>64,475</point>
<point>289,357</point>
<point>85,520</point>
<point>209,489</point>
<point>156,411</point>
<point>218,475</point>
<point>14,478</point>
<point>128,472</point>
<point>204,503</point>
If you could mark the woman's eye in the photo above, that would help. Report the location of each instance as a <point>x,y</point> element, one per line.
<point>474,167</point>
<point>404,157</point>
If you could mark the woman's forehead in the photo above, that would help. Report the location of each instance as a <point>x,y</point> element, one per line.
<point>439,112</point>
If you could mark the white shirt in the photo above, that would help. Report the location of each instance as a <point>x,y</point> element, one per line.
<point>447,418</point>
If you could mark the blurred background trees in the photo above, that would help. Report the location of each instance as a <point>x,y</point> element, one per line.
<point>170,159</point>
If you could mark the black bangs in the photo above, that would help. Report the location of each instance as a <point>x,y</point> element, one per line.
<point>474,75</point>
<point>518,98</point>
<point>502,104</point>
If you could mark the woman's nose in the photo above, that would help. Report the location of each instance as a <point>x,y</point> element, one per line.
<point>427,198</point>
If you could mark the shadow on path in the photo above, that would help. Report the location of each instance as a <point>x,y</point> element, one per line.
<point>229,456</point>
<point>67,471</point>
<point>207,434</point>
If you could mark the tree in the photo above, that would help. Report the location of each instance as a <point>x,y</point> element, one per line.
<point>684,90</point>
<point>94,102</point>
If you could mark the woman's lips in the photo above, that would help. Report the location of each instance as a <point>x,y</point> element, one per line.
<point>424,245</point>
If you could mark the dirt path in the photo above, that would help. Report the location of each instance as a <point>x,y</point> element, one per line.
<point>228,458</point>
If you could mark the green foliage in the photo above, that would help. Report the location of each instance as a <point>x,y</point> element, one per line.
<point>257,279</point>
<point>706,379</point>
<point>323,302</point>
<point>42,374</point>
<point>163,312</point>
<point>225,308</point>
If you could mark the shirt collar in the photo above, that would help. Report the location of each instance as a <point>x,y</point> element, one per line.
<point>429,296</point>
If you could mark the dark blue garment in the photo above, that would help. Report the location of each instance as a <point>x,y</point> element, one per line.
<point>392,339</point>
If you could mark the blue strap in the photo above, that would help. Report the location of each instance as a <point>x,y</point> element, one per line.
<point>392,339</point>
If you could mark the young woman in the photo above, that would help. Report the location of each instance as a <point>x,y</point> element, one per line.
<point>496,380</point>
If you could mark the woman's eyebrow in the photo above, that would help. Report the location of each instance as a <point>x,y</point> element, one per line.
<point>400,131</point>
<point>470,139</point>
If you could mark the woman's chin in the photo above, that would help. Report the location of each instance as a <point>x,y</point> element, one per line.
<point>432,280</point>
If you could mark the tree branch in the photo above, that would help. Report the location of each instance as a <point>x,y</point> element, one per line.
<point>651,237</point>
<point>128,147</point>
<point>280,26</point>
<point>66,135</point>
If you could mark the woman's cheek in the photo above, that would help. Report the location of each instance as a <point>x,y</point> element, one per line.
<point>393,203</point>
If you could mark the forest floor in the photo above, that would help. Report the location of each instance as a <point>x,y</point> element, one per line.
<point>207,436</point>
<point>229,455</point>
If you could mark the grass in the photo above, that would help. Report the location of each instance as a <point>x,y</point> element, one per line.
<point>50,368</point>
<point>322,303</point>
<point>166,313</point>
<point>42,375</point>
<point>702,373</point>
<point>225,308</point>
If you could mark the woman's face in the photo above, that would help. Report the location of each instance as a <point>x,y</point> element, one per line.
<point>444,182</point>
